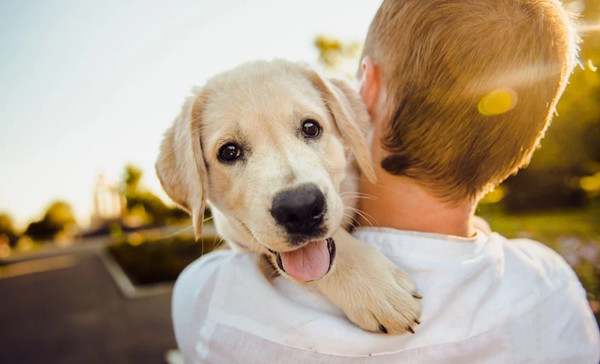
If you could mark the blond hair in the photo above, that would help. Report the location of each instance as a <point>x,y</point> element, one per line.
<point>443,61</point>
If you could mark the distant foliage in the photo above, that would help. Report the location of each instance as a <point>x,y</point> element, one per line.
<point>8,232</point>
<point>339,58</point>
<point>58,219</point>
<point>142,206</point>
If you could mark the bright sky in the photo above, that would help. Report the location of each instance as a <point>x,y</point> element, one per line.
<point>88,86</point>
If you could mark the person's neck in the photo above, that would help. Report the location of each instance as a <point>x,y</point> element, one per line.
<point>401,203</point>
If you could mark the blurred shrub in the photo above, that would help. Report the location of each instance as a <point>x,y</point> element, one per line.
<point>535,190</point>
<point>148,261</point>
<point>337,57</point>
<point>7,229</point>
<point>591,141</point>
<point>57,220</point>
<point>142,206</point>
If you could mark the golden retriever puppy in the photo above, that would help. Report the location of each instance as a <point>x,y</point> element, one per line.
<point>273,147</point>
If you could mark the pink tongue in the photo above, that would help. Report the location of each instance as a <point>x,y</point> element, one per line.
<point>308,263</point>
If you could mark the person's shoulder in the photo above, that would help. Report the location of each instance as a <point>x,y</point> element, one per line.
<point>538,259</point>
<point>533,270</point>
<point>561,305</point>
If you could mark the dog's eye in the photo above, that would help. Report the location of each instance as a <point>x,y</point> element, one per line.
<point>311,129</point>
<point>229,153</point>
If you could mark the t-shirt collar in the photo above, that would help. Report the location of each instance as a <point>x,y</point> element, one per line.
<point>401,243</point>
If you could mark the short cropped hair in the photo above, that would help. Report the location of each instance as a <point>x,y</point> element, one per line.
<point>471,87</point>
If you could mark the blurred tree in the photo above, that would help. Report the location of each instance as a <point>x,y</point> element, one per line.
<point>57,219</point>
<point>337,57</point>
<point>7,229</point>
<point>143,207</point>
<point>132,177</point>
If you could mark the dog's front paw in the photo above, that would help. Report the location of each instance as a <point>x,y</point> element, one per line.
<point>372,292</point>
<point>387,302</point>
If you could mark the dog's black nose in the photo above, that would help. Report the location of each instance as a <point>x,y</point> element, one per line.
<point>301,210</point>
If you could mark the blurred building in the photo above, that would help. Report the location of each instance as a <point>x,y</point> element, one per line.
<point>109,203</point>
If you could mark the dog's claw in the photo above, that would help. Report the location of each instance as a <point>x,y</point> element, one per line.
<point>383,329</point>
<point>410,329</point>
<point>417,296</point>
<point>417,322</point>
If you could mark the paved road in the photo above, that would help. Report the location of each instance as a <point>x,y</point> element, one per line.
<point>74,313</point>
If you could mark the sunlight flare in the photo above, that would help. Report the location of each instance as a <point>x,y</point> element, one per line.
<point>498,102</point>
<point>584,28</point>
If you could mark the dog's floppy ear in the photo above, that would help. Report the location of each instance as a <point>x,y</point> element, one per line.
<point>350,116</point>
<point>180,166</point>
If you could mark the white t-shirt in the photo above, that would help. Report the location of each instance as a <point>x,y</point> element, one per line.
<point>486,300</point>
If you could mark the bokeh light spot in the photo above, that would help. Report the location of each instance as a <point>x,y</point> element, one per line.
<point>591,66</point>
<point>497,102</point>
<point>591,183</point>
<point>494,196</point>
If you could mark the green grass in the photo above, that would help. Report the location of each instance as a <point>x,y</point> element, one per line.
<point>547,227</point>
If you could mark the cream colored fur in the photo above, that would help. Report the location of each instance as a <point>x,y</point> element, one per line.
<point>262,106</point>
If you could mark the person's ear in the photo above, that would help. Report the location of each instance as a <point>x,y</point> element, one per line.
<point>350,117</point>
<point>370,84</point>
<point>180,166</point>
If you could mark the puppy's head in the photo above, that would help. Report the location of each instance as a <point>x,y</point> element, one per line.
<point>268,144</point>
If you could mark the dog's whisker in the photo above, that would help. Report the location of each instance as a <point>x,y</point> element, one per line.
<point>368,218</point>
<point>219,243</point>
<point>351,218</point>
<point>177,232</point>
<point>172,234</point>
<point>365,213</point>
<point>358,198</point>
<point>356,211</point>
<point>353,192</point>
<point>357,194</point>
